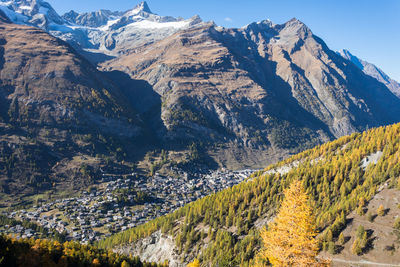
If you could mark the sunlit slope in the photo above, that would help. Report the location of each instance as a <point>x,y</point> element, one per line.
<point>223,227</point>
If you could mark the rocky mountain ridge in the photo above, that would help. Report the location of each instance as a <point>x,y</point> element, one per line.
<point>373,71</point>
<point>263,85</point>
<point>91,19</point>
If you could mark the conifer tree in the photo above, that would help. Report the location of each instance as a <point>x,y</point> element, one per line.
<point>341,239</point>
<point>356,248</point>
<point>381,210</point>
<point>290,239</point>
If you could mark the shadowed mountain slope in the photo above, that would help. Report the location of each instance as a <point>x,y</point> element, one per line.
<point>274,87</point>
<point>55,105</point>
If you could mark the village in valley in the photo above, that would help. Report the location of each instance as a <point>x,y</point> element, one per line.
<point>118,203</point>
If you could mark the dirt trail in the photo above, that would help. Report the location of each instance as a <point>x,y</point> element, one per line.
<point>363,263</point>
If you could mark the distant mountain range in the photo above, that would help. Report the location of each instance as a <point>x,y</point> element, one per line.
<point>86,90</point>
<point>103,32</point>
<point>373,71</point>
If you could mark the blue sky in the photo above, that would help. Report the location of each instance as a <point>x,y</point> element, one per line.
<point>370,29</point>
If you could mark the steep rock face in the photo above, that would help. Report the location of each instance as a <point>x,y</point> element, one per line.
<point>373,71</point>
<point>91,19</point>
<point>263,85</point>
<point>322,83</point>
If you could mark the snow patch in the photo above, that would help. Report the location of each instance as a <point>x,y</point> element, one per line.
<point>146,24</point>
<point>59,28</point>
<point>109,24</point>
<point>25,7</point>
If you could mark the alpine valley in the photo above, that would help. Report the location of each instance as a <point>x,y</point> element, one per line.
<point>112,121</point>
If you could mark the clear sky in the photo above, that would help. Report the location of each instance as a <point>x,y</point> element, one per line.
<point>370,29</point>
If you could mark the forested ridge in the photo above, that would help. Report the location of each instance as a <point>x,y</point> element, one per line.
<point>332,174</point>
<point>42,252</point>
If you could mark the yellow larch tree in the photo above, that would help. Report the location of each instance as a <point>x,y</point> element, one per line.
<point>195,263</point>
<point>290,238</point>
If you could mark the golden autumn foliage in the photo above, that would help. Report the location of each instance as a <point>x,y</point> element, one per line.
<point>194,263</point>
<point>48,253</point>
<point>290,238</point>
<point>96,262</point>
<point>381,210</point>
<point>332,174</point>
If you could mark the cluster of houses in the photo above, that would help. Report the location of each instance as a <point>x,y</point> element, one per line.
<point>19,231</point>
<point>98,212</point>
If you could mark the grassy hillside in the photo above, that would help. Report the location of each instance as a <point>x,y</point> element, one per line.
<point>223,228</point>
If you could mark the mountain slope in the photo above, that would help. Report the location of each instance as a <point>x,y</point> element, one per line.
<point>222,229</point>
<point>44,73</point>
<point>373,71</point>
<point>270,87</point>
<point>55,105</point>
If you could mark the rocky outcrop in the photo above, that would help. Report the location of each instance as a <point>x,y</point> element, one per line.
<point>91,19</point>
<point>155,248</point>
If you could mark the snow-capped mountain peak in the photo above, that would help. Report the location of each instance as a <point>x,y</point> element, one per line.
<point>141,10</point>
<point>142,7</point>
<point>103,31</point>
<point>32,12</point>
